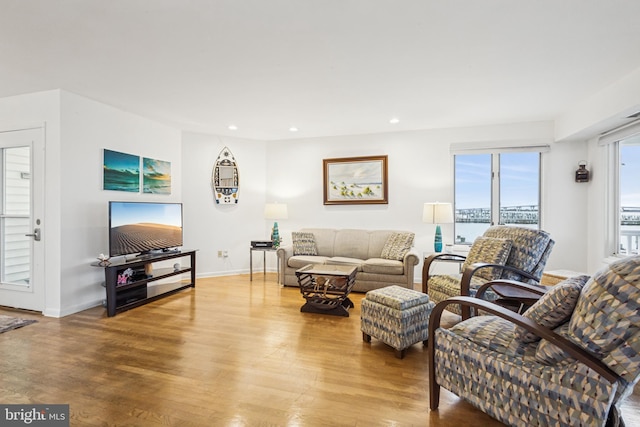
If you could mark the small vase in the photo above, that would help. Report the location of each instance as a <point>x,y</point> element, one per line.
<point>437,242</point>
<point>275,235</point>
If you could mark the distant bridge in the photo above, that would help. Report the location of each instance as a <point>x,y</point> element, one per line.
<point>528,214</point>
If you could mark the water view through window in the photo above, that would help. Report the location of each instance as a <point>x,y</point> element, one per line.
<point>629,215</point>
<point>480,202</point>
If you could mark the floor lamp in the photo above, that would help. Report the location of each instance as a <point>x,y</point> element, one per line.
<point>437,213</point>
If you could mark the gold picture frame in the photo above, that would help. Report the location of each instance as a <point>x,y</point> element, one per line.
<point>355,180</point>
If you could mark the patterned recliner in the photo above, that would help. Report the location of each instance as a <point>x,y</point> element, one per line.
<point>503,251</point>
<point>497,363</point>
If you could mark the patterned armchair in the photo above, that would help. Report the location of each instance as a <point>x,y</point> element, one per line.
<point>569,360</point>
<point>503,251</point>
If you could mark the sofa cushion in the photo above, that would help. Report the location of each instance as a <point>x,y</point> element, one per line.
<point>383,266</point>
<point>554,308</point>
<point>491,250</point>
<point>303,243</point>
<point>299,261</point>
<point>325,240</point>
<point>397,245</point>
<point>352,243</point>
<point>550,354</point>
<point>491,332</point>
<point>338,260</point>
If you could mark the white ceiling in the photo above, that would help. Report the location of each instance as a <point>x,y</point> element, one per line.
<point>328,67</point>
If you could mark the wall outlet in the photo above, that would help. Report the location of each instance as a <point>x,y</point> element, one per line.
<point>223,254</point>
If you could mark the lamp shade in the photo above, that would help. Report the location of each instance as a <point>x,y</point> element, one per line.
<point>437,213</point>
<point>275,211</point>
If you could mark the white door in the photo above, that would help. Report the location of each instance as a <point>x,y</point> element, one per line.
<point>21,214</point>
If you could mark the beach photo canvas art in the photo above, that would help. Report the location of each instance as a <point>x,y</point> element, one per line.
<point>156,176</point>
<point>121,171</point>
<point>355,180</point>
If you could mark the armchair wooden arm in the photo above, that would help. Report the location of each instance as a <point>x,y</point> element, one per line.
<point>574,350</point>
<point>434,258</point>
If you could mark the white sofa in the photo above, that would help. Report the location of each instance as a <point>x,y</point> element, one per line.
<point>363,248</point>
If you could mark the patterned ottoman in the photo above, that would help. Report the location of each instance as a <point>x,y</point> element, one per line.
<point>396,316</point>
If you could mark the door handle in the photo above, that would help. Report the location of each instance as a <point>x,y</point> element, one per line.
<point>36,234</point>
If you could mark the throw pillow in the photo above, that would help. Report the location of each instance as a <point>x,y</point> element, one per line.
<point>491,250</point>
<point>397,245</point>
<point>304,243</point>
<point>554,308</point>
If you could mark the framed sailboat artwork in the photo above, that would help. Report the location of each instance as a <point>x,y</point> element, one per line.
<point>225,179</point>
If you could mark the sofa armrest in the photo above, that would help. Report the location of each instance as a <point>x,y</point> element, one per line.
<point>411,258</point>
<point>283,253</point>
<point>409,262</point>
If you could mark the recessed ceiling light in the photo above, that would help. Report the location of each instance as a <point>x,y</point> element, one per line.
<point>293,129</point>
<point>233,127</point>
<point>394,121</point>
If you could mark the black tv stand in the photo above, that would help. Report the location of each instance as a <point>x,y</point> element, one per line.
<point>140,289</point>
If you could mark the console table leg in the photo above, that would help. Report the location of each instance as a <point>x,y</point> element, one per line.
<point>250,265</point>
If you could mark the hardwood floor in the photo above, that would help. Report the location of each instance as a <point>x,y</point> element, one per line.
<point>229,353</point>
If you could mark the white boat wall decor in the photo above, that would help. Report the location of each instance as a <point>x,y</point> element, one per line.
<point>225,179</point>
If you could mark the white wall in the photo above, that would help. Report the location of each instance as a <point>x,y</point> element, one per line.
<point>88,127</point>
<point>209,227</point>
<point>601,111</point>
<point>420,170</point>
<point>564,201</point>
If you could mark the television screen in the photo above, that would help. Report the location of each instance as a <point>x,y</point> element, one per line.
<point>142,227</point>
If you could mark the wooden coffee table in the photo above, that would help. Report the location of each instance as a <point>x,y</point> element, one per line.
<point>326,288</point>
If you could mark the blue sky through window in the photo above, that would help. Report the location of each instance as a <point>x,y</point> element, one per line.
<point>519,183</point>
<point>473,181</point>
<point>519,179</point>
<point>630,174</point>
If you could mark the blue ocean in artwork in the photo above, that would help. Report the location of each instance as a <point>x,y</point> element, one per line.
<point>156,176</point>
<point>121,171</point>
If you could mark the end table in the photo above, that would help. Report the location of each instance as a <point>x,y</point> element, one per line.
<point>264,261</point>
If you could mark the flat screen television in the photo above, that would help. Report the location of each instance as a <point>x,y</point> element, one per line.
<point>144,227</point>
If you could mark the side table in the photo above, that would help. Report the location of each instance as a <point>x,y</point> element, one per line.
<point>264,261</point>
<point>553,277</point>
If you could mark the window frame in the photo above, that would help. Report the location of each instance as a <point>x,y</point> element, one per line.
<point>614,202</point>
<point>495,202</point>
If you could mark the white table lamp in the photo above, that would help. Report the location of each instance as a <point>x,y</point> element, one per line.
<point>437,213</point>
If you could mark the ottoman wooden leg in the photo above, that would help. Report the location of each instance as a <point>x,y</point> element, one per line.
<point>400,353</point>
<point>366,337</point>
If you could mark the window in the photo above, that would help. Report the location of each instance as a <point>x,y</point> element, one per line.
<point>15,220</point>
<point>495,188</point>
<point>628,195</point>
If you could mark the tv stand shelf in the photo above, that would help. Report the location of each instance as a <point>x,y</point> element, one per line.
<point>141,290</point>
